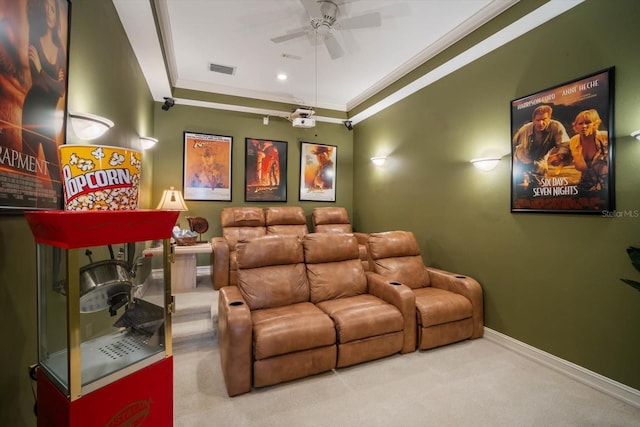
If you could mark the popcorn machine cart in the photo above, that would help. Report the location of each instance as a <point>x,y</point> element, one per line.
<point>104,319</point>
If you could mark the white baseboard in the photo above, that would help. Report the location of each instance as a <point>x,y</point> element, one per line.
<point>585,376</point>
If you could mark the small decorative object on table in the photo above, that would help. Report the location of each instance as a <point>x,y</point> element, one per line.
<point>184,237</point>
<point>199,225</point>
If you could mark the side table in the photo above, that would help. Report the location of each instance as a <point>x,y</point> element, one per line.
<point>184,269</point>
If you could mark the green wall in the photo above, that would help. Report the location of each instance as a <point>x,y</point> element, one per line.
<point>104,79</point>
<point>168,156</point>
<point>551,281</point>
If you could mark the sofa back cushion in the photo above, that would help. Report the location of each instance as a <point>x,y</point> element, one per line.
<point>242,223</point>
<point>334,269</point>
<point>331,220</point>
<point>396,256</point>
<point>286,220</point>
<point>271,271</point>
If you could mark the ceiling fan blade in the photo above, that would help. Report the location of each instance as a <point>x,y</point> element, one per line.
<point>312,7</point>
<point>333,47</point>
<point>292,35</point>
<point>367,20</point>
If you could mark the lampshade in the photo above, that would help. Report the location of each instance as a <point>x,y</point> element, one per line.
<point>147,142</point>
<point>379,160</point>
<point>89,126</point>
<point>485,163</point>
<point>172,201</point>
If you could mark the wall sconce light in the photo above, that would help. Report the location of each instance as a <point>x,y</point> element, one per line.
<point>378,160</point>
<point>485,163</point>
<point>147,142</point>
<point>636,134</point>
<point>172,201</point>
<point>89,126</point>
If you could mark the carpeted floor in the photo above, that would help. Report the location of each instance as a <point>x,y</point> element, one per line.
<point>472,383</point>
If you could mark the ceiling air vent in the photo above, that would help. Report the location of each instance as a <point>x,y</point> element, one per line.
<point>224,69</point>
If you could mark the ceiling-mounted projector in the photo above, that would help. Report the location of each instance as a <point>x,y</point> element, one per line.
<point>301,118</point>
<point>303,122</point>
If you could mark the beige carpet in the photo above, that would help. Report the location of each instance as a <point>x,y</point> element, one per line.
<point>472,383</point>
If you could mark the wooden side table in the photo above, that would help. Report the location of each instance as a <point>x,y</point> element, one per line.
<point>184,269</point>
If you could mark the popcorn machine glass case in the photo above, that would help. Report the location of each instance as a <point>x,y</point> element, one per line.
<point>102,315</point>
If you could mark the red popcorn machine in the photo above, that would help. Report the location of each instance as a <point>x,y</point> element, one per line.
<point>104,318</point>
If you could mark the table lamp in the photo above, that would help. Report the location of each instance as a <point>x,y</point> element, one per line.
<point>172,200</point>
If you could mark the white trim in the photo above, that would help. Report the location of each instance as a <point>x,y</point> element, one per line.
<point>599,382</point>
<point>477,20</point>
<point>251,110</point>
<point>522,26</point>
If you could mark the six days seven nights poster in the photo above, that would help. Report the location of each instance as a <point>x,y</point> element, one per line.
<point>561,149</point>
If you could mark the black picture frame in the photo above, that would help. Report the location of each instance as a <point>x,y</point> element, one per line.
<point>568,167</point>
<point>33,125</point>
<point>318,172</point>
<point>265,175</point>
<point>207,166</point>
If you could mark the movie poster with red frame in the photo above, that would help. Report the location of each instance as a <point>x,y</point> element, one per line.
<point>562,148</point>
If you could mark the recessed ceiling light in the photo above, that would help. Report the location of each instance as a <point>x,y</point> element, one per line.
<point>282,76</point>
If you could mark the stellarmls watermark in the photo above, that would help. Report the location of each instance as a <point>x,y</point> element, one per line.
<point>628,213</point>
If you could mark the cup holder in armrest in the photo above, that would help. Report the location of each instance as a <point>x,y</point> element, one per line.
<point>236,303</point>
<point>395,283</point>
<point>460,276</point>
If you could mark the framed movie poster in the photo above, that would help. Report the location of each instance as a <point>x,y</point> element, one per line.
<point>207,166</point>
<point>318,172</point>
<point>34,41</point>
<point>265,174</point>
<point>562,148</point>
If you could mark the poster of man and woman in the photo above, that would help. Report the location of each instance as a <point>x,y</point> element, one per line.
<point>33,92</point>
<point>561,151</point>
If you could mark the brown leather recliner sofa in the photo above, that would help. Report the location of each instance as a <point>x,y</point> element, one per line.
<point>242,223</point>
<point>449,307</point>
<point>304,306</point>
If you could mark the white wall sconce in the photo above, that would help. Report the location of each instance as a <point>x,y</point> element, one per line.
<point>265,120</point>
<point>485,163</point>
<point>146,142</point>
<point>172,200</point>
<point>378,160</point>
<point>89,126</point>
<point>636,134</point>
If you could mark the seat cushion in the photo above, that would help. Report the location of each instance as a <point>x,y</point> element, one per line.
<point>436,306</point>
<point>291,328</point>
<point>362,316</point>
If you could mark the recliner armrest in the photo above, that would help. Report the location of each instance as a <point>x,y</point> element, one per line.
<point>235,340</point>
<point>219,262</point>
<point>463,285</point>
<point>403,298</point>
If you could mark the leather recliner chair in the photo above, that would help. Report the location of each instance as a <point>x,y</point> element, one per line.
<point>286,220</point>
<point>449,306</point>
<point>373,318</point>
<point>238,223</point>
<point>243,223</point>
<point>268,330</point>
<point>335,219</point>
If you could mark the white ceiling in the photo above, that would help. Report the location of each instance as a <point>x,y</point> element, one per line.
<point>237,33</point>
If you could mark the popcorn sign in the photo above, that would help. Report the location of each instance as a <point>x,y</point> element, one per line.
<point>100,177</point>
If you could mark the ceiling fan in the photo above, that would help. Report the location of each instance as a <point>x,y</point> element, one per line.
<point>325,20</point>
